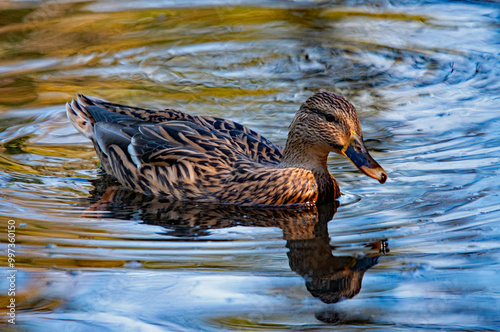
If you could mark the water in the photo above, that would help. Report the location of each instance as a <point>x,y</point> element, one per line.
<point>421,251</point>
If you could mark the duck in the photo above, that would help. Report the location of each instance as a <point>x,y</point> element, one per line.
<point>175,155</point>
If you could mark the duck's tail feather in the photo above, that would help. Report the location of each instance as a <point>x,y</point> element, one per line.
<point>85,112</point>
<point>81,118</point>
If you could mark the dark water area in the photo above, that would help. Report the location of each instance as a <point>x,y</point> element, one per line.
<point>421,251</point>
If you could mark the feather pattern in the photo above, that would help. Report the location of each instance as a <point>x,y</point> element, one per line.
<point>170,153</point>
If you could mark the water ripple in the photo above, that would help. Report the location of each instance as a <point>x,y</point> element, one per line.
<point>424,246</point>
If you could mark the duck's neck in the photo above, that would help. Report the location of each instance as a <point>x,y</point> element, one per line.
<point>301,153</point>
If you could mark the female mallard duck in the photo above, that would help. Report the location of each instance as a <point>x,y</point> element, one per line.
<point>173,154</point>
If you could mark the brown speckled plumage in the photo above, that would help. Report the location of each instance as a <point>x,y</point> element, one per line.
<point>173,154</point>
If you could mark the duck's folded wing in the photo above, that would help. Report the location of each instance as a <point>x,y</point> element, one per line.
<point>166,159</point>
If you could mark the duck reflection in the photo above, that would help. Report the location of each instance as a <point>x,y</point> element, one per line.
<point>328,277</point>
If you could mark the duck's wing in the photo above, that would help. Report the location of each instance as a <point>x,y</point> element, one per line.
<point>256,147</point>
<point>178,159</point>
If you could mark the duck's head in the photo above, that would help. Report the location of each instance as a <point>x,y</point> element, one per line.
<point>327,122</point>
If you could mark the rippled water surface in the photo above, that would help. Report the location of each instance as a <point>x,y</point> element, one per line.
<point>420,251</point>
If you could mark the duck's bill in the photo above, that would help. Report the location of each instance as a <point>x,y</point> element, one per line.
<point>356,152</point>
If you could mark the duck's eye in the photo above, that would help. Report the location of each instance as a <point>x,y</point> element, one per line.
<point>330,117</point>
